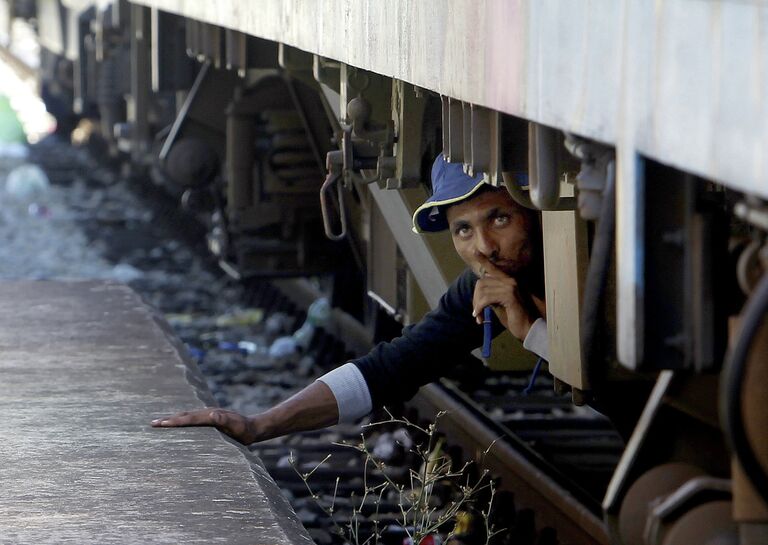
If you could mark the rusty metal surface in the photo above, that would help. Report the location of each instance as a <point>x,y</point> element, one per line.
<point>85,367</point>
<point>554,506</point>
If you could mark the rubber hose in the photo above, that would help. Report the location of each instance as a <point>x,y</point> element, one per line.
<point>734,377</point>
<point>599,264</point>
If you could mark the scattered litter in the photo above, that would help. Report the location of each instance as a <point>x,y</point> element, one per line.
<point>389,446</point>
<point>303,335</point>
<point>385,448</point>
<point>319,312</point>
<point>13,150</point>
<point>284,461</point>
<point>122,272</point>
<point>240,317</point>
<point>197,354</point>
<point>229,346</point>
<point>248,347</point>
<point>318,315</point>
<point>31,248</point>
<point>403,438</point>
<point>283,347</point>
<point>211,339</point>
<point>431,539</point>
<point>277,324</point>
<point>26,182</point>
<point>11,130</point>
<point>180,319</point>
<point>36,210</point>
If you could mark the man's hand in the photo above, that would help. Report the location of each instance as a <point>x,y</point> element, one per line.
<point>312,408</point>
<point>515,309</point>
<point>238,427</point>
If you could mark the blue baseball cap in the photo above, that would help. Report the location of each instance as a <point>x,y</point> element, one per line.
<point>449,185</point>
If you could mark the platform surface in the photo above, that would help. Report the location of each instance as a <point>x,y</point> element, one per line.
<point>84,367</point>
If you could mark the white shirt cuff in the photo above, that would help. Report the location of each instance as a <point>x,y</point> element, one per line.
<point>537,340</point>
<point>350,390</point>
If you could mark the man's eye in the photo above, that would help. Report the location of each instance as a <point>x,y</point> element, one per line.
<point>463,231</point>
<point>502,219</point>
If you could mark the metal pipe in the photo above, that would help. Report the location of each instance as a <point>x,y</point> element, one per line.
<point>544,185</point>
<point>599,264</point>
<point>543,182</point>
<point>520,196</point>
<point>182,115</point>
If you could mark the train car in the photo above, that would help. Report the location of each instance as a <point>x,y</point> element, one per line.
<point>301,134</point>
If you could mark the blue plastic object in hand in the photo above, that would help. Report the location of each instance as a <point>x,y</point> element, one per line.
<point>487,335</point>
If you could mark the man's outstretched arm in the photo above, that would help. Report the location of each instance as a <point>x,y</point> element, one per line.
<point>312,408</point>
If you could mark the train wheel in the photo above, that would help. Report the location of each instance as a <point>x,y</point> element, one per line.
<point>659,481</point>
<point>708,524</point>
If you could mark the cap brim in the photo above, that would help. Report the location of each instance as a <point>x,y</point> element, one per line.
<point>423,223</point>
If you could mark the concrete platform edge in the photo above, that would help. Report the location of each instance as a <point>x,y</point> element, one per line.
<point>294,530</point>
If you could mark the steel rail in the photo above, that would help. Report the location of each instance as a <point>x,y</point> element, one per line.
<point>533,487</point>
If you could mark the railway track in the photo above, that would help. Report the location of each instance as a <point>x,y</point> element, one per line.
<point>551,460</point>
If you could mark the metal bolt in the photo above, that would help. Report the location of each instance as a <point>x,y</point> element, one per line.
<point>560,387</point>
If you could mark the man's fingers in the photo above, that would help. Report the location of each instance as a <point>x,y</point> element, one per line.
<point>174,421</point>
<point>233,424</point>
<point>487,268</point>
<point>203,417</point>
<point>492,291</point>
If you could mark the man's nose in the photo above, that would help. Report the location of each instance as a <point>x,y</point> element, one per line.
<point>485,243</point>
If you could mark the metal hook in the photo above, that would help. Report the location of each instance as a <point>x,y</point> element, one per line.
<point>333,177</point>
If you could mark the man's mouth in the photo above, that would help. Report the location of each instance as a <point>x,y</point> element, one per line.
<point>506,265</point>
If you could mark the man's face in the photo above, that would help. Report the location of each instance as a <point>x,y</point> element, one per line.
<point>494,226</point>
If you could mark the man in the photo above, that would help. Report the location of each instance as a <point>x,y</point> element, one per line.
<point>499,241</point>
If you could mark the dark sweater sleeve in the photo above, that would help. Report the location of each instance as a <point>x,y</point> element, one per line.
<point>394,371</point>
